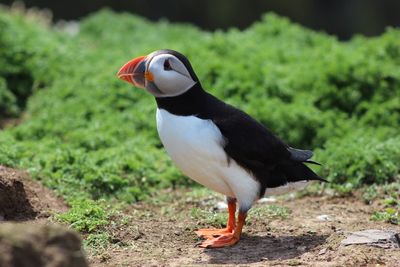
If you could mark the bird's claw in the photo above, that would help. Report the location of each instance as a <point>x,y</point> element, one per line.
<point>224,240</point>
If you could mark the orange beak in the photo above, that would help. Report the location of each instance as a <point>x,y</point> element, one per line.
<point>134,72</point>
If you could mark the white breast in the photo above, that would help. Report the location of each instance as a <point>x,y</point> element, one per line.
<point>196,147</point>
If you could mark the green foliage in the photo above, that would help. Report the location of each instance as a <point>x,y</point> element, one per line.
<point>390,215</point>
<point>87,134</point>
<point>364,156</point>
<point>389,200</point>
<point>208,218</point>
<point>370,194</point>
<point>85,216</point>
<point>270,211</point>
<point>30,58</point>
<point>97,242</point>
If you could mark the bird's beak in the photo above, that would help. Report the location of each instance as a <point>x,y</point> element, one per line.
<point>134,72</point>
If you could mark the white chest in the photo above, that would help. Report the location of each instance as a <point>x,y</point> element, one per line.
<point>195,146</point>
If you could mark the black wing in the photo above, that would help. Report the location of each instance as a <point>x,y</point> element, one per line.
<point>249,142</point>
<point>257,149</point>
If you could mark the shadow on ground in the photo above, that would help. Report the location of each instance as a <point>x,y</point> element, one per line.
<point>253,249</point>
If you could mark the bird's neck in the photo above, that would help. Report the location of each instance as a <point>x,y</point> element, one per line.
<point>191,102</point>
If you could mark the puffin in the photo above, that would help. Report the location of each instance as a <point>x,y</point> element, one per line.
<point>216,144</point>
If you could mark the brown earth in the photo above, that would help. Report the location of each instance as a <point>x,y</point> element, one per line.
<point>161,234</point>
<point>23,199</point>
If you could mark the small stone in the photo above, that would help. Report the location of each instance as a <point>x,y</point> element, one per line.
<point>322,251</point>
<point>221,205</point>
<point>301,248</point>
<point>373,237</point>
<point>324,218</point>
<point>267,200</point>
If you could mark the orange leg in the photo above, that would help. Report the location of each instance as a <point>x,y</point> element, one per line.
<point>230,226</point>
<point>228,239</point>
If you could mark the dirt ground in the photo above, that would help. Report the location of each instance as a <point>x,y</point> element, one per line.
<point>22,199</point>
<point>159,231</point>
<point>161,234</point>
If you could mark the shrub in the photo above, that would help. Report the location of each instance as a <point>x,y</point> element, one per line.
<point>30,58</point>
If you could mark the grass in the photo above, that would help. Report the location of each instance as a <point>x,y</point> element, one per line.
<point>85,216</point>
<point>204,217</point>
<point>270,211</point>
<point>388,199</point>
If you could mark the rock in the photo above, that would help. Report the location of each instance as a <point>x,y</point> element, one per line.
<point>373,237</point>
<point>301,248</point>
<point>33,244</point>
<point>177,233</point>
<point>322,251</point>
<point>221,205</point>
<point>324,218</point>
<point>267,200</point>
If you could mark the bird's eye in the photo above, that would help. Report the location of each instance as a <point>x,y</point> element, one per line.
<point>167,65</point>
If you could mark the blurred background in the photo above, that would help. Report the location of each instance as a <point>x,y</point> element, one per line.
<point>342,18</point>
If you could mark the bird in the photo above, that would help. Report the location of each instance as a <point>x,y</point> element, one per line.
<point>216,144</point>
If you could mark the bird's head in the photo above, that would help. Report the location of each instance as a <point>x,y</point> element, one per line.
<point>163,73</point>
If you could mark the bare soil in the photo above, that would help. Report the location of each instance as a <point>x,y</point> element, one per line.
<point>161,234</point>
<point>23,199</point>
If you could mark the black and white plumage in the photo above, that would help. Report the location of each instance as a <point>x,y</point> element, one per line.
<point>212,142</point>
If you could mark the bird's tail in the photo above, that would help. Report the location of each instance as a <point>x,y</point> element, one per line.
<point>298,171</point>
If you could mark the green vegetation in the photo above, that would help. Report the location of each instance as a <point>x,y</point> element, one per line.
<point>90,136</point>
<point>388,198</point>
<point>209,218</point>
<point>390,215</point>
<point>270,211</point>
<point>85,215</point>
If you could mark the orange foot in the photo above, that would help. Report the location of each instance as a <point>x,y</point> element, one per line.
<point>224,240</point>
<point>211,233</point>
<point>230,226</point>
